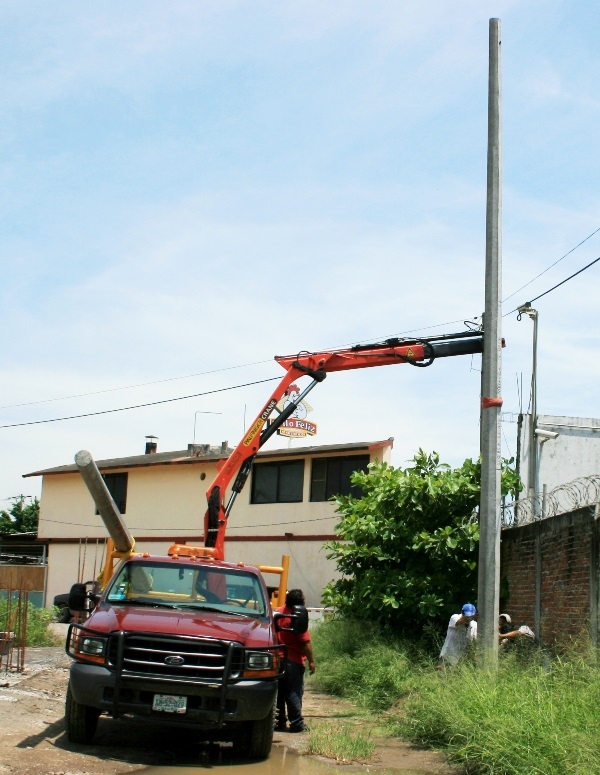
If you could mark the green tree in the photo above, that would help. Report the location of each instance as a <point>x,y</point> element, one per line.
<point>22,517</point>
<point>408,547</point>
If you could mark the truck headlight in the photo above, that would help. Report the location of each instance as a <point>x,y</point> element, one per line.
<point>95,647</point>
<point>259,660</point>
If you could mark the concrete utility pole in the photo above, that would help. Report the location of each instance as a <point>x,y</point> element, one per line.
<point>105,504</point>
<point>491,401</point>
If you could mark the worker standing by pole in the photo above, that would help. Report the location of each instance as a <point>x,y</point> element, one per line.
<point>491,401</point>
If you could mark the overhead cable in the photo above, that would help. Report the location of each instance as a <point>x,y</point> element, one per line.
<point>413,331</point>
<point>140,406</point>
<point>172,529</point>
<point>130,387</point>
<point>568,253</point>
<point>554,287</point>
<point>216,371</point>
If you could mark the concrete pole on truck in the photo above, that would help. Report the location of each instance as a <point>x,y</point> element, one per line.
<point>491,401</point>
<point>111,516</point>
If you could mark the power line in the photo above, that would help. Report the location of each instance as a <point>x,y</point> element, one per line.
<point>257,382</point>
<point>271,379</point>
<point>167,400</point>
<point>215,371</point>
<point>130,387</point>
<point>413,331</point>
<point>246,384</point>
<point>171,529</point>
<point>183,398</point>
<point>140,406</point>
<point>568,253</point>
<point>554,287</point>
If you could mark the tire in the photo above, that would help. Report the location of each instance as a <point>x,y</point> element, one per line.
<point>64,615</point>
<point>256,738</point>
<point>80,720</point>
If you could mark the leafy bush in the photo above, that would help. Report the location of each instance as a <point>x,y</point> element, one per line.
<point>408,547</point>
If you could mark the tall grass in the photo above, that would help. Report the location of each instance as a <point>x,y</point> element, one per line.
<point>523,720</point>
<point>363,663</point>
<point>528,718</point>
<point>341,742</point>
<point>37,626</point>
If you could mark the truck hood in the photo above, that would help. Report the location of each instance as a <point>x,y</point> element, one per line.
<point>246,630</point>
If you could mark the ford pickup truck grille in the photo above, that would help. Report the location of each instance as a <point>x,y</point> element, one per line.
<point>178,658</point>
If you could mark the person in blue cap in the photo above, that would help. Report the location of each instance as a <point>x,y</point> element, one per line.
<point>462,632</point>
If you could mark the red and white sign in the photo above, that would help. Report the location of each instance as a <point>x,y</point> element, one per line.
<point>296,426</point>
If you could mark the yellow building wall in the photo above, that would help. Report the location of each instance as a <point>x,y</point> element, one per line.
<point>161,501</point>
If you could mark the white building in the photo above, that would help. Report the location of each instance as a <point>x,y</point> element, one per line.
<point>565,449</point>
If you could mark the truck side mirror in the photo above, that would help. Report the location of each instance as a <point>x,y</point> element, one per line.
<point>298,620</point>
<point>78,598</point>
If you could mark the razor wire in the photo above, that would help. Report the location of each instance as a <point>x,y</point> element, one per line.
<point>571,496</point>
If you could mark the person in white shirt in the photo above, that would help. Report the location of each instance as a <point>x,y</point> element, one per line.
<point>462,632</point>
<point>507,633</point>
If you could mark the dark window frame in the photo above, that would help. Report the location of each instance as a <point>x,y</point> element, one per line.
<point>271,479</point>
<point>117,487</point>
<point>330,476</point>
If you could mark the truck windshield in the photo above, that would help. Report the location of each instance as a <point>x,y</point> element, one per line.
<point>183,586</point>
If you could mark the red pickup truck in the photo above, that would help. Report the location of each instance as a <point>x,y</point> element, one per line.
<point>181,640</point>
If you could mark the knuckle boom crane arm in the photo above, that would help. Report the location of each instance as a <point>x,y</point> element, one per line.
<point>416,352</point>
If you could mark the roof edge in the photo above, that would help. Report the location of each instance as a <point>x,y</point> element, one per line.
<point>181,457</point>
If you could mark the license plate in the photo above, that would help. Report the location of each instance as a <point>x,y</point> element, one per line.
<point>169,703</point>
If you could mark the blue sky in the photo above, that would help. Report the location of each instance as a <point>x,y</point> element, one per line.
<point>188,188</point>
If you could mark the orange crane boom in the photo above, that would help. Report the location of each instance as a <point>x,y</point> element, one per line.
<point>416,352</point>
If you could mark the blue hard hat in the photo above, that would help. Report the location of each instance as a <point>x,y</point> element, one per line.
<point>469,609</point>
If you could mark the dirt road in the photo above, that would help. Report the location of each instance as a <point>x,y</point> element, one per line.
<point>33,741</point>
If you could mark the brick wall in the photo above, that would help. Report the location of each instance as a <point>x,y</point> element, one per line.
<point>517,574</point>
<point>549,573</point>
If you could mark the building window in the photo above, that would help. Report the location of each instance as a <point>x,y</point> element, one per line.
<point>117,487</point>
<point>331,476</point>
<point>278,482</point>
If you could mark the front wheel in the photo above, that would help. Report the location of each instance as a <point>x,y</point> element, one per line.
<point>256,738</point>
<point>80,720</point>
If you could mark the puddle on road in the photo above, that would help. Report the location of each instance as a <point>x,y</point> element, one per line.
<point>281,762</point>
